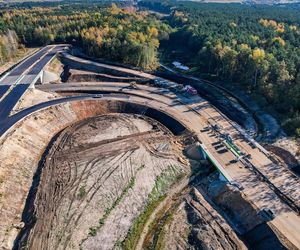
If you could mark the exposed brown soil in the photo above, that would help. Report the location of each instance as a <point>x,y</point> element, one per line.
<point>96,178</point>
<point>21,149</point>
<point>74,75</point>
<point>286,157</point>
<point>87,169</point>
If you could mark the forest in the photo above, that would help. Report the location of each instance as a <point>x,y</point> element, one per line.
<point>256,47</point>
<point>102,30</point>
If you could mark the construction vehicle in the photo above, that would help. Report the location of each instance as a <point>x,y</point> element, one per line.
<point>133,85</point>
<point>189,90</point>
<point>267,214</point>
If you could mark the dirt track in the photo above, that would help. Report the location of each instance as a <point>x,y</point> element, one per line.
<point>99,173</point>
<point>86,171</point>
<point>96,179</point>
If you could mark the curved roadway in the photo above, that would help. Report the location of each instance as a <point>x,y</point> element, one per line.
<point>199,116</point>
<point>14,84</point>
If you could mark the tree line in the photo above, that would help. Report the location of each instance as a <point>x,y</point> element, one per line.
<point>110,32</point>
<point>257,47</point>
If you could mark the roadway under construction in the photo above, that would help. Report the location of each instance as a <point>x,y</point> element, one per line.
<point>162,119</point>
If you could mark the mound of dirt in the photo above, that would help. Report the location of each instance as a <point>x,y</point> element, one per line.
<point>197,225</point>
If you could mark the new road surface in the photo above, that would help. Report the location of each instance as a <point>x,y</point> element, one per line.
<point>14,84</point>
<point>265,183</point>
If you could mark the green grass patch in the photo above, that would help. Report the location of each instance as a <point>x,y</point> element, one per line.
<point>82,192</point>
<point>133,236</point>
<point>157,229</point>
<point>157,195</point>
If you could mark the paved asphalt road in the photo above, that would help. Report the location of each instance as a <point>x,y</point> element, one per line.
<point>5,125</point>
<point>15,73</point>
<point>35,64</point>
<point>3,89</point>
<point>197,114</point>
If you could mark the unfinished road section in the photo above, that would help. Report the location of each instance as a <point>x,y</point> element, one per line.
<point>277,176</point>
<point>124,155</point>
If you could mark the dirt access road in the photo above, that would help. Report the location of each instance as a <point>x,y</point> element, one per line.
<point>95,172</point>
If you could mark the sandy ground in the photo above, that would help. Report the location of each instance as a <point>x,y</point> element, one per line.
<point>21,150</point>
<point>33,97</point>
<point>101,156</point>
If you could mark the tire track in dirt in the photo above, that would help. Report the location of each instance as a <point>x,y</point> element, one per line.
<point>87,168</point>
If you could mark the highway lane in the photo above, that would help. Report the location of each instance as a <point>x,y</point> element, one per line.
<point>24,81</point>
<point>38,67</point>
<point>23,66</point>
<point>255,190</point>
<point>12,120</point>
<point>3,90</point>
<point>16,72</point>
<point>11,99</point>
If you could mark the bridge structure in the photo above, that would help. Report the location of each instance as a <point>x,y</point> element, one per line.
<point>15,83</point>
<point>237,157</point>
<point>208,155</point>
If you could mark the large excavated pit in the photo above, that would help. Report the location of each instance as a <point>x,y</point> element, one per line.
<point>98,175</point>
<point>22,147</point>
<point>108,164</point>
<point>94,173</point>
<point>112,174</point>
